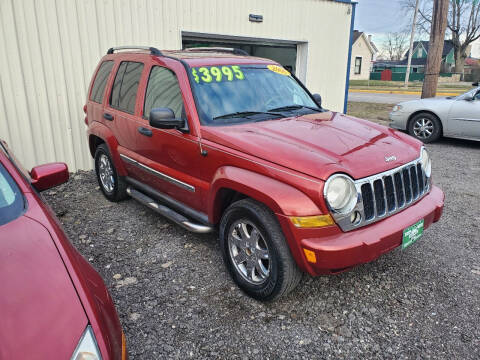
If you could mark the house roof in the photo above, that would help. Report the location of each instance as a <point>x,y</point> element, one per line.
<point>357,34</point>
<point>415,62</point>
<point>447,47</point>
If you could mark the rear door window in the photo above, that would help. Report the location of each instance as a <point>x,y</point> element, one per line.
<point>125,86</point>
<point>98,87</point>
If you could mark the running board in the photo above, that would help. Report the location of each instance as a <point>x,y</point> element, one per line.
<point>168,213</point>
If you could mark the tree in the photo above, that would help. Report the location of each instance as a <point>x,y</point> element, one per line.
<point>395,45</point>
<point>435,47</point>
<point>463,24</point>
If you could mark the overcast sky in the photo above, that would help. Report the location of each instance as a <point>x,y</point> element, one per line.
<point>378,17</point>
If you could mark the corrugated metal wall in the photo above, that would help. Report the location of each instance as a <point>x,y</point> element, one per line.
<point>51,47</point>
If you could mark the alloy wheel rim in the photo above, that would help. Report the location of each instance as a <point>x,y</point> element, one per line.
<point>249,252</point>
<point>105,172</point>
<point>423,128</point>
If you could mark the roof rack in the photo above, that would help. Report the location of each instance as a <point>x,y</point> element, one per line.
<point>228,50</point>
<point>153,51</point>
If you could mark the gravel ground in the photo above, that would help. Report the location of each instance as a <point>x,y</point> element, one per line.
<point>176,300</point>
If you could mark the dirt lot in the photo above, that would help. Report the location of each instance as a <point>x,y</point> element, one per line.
<point>375,112</point>
<point>176,300</point>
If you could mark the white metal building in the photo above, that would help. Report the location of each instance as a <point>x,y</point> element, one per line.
<point>51,47</point>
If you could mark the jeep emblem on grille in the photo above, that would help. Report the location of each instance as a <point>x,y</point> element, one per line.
<point>390,158</point>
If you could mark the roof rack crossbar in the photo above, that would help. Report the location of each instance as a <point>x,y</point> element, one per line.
<point>234,51</point>
<point>153,51</point>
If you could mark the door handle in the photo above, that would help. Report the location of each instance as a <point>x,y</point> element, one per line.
<point>144,131</point>
<point>108,116</point>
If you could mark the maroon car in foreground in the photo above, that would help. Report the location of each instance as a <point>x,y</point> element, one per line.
<point>53,304</point>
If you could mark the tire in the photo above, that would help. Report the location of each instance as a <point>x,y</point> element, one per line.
<point>113,186</point>
<point>425,127</point>
<point>282,274</point>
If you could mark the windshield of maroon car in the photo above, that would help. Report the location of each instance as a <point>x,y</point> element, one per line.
<point>11,199</point>
<point>223,90</point>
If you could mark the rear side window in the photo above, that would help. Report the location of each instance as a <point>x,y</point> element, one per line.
<point>163,91</point>
<point>124,91</point>
<point>100,81</point>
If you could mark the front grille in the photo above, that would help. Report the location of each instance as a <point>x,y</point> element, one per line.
<point>389,192</point>
<point>385,194</point>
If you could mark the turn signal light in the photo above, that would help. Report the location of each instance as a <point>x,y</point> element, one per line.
<point>312,221</point>
<point>124,347</point>
<point>310,255</point>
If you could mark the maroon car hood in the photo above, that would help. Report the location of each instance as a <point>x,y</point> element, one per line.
<point>319,144</point>
<point>41,314</point>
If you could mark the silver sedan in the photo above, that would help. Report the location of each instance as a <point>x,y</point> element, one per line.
<point>429,119</point>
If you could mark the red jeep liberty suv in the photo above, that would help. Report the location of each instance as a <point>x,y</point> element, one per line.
<point>212,138</point>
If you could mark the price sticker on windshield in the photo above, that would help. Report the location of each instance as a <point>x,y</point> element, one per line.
<point>209,74</point>
<point>278,69</point>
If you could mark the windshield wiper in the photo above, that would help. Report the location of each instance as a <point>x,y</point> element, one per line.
<point>246,114</point>
<point>294,107</point>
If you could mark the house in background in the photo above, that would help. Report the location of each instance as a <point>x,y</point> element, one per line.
<point>419,61</point>
<point>363,53</point>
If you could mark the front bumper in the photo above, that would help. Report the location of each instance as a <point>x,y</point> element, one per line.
<point>337,251</point>
<point>398,120</point>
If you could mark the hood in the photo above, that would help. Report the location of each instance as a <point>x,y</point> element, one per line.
<point>320,144</point>
<point>42,316</point>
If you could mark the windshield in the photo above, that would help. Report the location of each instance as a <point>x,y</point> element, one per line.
<point>233,93</point>
<point>468,94</point>
<point>11,199</point>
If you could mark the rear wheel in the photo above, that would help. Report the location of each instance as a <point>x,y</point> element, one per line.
<point>255,251</point>
<point>425,127</point>
<point>113,186</point>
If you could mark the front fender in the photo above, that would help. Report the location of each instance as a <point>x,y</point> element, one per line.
<point>103,132</point>
<point>281,198</point>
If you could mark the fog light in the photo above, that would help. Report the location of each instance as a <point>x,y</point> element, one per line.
<point>355,218</point>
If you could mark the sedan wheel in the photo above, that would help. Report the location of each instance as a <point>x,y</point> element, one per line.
<point>423,128</point>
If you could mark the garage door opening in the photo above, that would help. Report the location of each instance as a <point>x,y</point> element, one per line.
<point>287,53</point>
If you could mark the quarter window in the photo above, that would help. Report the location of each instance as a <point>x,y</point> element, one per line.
<point>124,91</point>
<point>163,91</point>
<point>98,87</point>
<point>358,65</point>
<point>11,199</point>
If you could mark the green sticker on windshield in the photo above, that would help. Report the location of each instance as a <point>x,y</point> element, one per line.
<point>208,74</point>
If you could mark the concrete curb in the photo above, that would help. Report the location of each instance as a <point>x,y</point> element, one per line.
<point>405,92</point>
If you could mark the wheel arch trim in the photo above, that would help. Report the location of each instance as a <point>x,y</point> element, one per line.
<point>106,135</point>
<point>281,198</point>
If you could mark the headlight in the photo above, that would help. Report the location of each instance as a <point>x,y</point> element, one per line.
<point>426,162</point>
<point>340,193</point>
<point>397,108</point>
<point>87,348</point>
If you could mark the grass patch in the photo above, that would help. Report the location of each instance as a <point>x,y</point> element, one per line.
<point>371,111</point>
<point>398,85</point>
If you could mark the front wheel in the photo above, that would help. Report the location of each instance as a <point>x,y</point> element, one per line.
<point>425,127</point>
<point>255,251</point>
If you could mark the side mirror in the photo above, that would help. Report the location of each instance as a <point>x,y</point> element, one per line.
<point>475,84</point>
<point>164,118</point>
<point>318,99</point>
<point>49,175</point>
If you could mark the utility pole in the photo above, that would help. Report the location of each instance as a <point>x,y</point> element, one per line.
<point>412,35</point>
<point>435,48</point>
